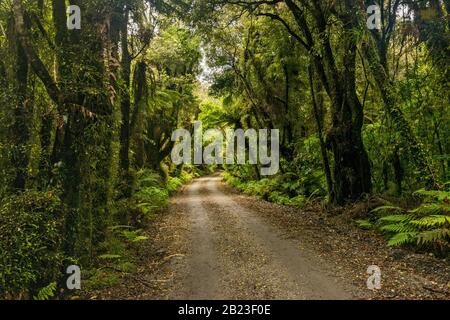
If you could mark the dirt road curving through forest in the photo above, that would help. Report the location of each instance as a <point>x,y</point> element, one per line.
<point>215,243</point>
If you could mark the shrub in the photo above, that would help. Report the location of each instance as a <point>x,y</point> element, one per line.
<point>280,189</point>
<point>174,184</point>
<point>30,242</point>
<point>151,198</point>
<point>151,193</point>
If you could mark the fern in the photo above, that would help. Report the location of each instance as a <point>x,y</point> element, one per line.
<point>438,195</point>
<point>387,210</point>
<point>134,236</point>
<point>428,224</point>
<point>398,228</point>
<point>365,224</point>
<point>148,178</point>
<point>46,292</point>
<point>432,221</point>
<point>431,209</point>
<point>402,238</point>
<point>433,236</point>
<point>109,256</point>
<point>399,218</point>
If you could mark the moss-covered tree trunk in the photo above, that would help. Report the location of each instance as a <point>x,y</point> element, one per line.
<point>22,120</point>
<point>125,96</point>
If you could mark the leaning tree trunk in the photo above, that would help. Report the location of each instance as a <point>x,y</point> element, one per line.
<point>352,175</point>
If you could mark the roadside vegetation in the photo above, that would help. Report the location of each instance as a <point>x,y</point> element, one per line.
<point>87,117</point>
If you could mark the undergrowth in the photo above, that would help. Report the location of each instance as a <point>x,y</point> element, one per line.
<point>121,250</point>
<point>426,226</point>
<point>283,189</point>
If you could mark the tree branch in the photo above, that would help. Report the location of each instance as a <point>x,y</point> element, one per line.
<point>36,63</point>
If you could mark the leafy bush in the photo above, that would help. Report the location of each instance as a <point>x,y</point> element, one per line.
<point>174,184</point>
<point>151,194</point>
<point>152,198</point>
<point>120,239</point>
<point>148,178</point>
<point>30,242</point>
<point>281,190</point>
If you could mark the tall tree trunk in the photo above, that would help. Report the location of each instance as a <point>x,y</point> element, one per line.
<point>45,134</point>
<point>352,173</point>
<point>22,119</point>
<point>376,54</point>
<point>398,171</point>
<point>323,148</point>
<point>126,99</point>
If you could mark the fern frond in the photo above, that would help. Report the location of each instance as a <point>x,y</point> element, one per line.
<point>397,218</point>
<point>431,209</point>
<point>365,224</point>
<point>432,221</point>
<point>387,209</point>
<point>46,292</point>
<point>109,256</point>
<point>400,239</point>
<point>432,236</point>
<point>433,194</point>
<point>427,224</point>
<point>398,228</point>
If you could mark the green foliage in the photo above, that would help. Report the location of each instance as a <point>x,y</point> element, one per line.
<point>278,190</point>
<point>109,256</point>
<point>402,238</point>
<point>174,184</point>
<point>134,236</point>
<point>441,195</point>
<point>151,194</point>
<point>387,210</point>
<point>426,225</point>
<point>30,241</point>
<point>151,198</point>
<point>63,110</point>
<point>121,246</point>
<point>97,279</point>
<point>186,175</point>
<point>364,224</point>
<point>46,292</point>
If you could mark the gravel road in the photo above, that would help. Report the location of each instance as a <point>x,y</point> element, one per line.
<point>235,254</point>
<point>213,242</point>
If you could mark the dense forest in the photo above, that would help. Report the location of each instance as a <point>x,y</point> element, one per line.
<point>360,97</point>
